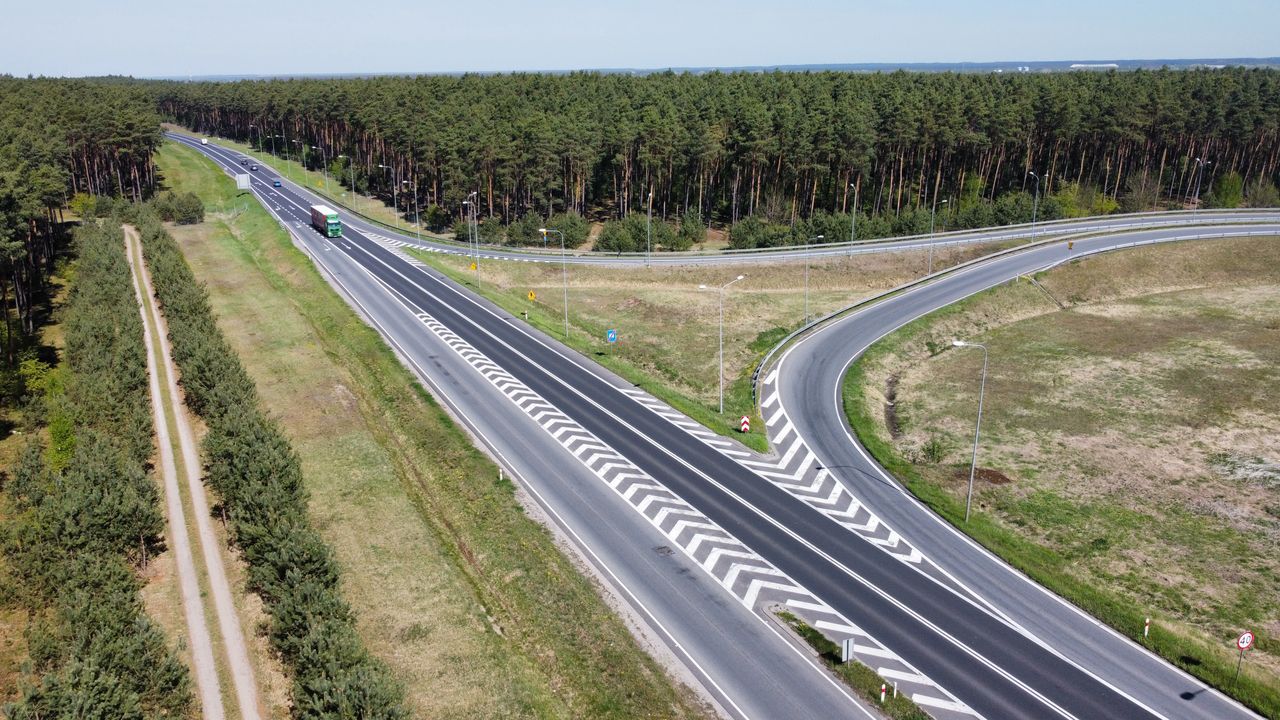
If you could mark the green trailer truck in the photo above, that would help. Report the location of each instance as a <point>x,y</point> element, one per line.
<point>325,219</point>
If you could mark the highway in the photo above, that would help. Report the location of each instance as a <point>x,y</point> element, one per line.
<point>700,538</point>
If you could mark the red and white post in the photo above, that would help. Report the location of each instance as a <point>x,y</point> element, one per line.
<point>745,424</point>
<point>883,689</point>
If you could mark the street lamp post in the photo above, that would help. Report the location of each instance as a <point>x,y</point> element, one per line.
<point>806,279</point>
<point>564,274</point>
<point>352,170</point>
<point>932,212</point>
<point>417,221</point>
<point>1035,204</point>
<point>475,258</point>
<point>324,158</point>
<point>853,216</point>
<point>302,162</point>
<point>982,389</point>
<point>1199,176</point>
<point>648,233</point>
<point>721,372</point>
<point>394,186</point>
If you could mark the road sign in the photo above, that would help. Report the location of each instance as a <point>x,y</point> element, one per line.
<point>1245,641</point>
<point>533,296</point>
<point>846,650</point>
<point>473,266</point>
<point>745,424</point>
<point>1071,244</point>
<point>242,181</point>
<point>611,336</point>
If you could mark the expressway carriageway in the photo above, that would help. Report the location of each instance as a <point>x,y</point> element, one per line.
<point>805,384</point>
<point>741,539</point>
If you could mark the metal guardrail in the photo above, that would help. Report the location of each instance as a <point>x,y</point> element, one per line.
<point>768,356</point>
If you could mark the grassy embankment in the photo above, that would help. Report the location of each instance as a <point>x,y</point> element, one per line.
<point>668,328</point>
<point>466,598</point>
<point>1129,441</point>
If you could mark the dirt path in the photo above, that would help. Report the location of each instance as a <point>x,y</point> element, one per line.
<point>167,408</point>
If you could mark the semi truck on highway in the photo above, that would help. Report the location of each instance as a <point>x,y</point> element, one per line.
<point>325,219</point>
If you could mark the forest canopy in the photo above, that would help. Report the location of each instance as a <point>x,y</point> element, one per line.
<point>779,146</point>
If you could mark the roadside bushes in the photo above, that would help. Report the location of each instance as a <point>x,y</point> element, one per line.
<point>257,475</point>
<point>75,534</point>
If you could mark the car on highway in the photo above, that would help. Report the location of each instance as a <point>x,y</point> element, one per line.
<point>275,183</point>
<point>253,168</point>
<point>244,162</point>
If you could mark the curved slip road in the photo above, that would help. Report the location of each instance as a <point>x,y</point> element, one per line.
<point>725,516</point>
<point>806,385</point>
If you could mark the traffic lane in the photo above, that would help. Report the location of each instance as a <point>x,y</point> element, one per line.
<point>811,381</point>
<point>773,680</point>
<point>958,619</point>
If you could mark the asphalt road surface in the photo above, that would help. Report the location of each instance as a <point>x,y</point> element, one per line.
<point>701,539</point>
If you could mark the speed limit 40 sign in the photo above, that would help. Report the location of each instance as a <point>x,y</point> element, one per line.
<point>1245,641</point>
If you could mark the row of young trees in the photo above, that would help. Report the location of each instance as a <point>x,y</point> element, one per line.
<point>779,146</point>
<point>257,476</point>
<point>85,516</point>
<point>59,138</point>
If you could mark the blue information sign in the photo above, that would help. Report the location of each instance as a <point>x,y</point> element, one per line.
<point>611,336</point>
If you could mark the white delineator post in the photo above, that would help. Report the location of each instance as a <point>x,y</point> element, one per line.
<point>883,690</point>
<point>1146,629</point>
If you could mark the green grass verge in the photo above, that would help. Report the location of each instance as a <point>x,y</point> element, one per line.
<point>1041,564</point>
<point>862,679</point>
<point>465,597</point>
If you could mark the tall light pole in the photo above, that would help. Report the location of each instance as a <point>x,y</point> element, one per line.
<point>1035,204</point>
<point>1199,175</point>
<point>324,159</point>
<point>475,258</point>
<point>394,186</point>
<point>721,373</point>
<point>806,280</point>
<point>982,389</point>
<point>302,162</point>
<point>252,127</point>
<point>648,233</point>
<point>351,169</point>
<point>564,274</point>
<point>853,215</point>
<point>932,212</point>
<point>417,223</point>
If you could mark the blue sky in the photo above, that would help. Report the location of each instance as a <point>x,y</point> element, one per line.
<point>145,37</point>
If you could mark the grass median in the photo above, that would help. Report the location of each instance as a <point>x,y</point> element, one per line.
<point>1128,455</point>
<point>668,328</point>
<point>465,597</point>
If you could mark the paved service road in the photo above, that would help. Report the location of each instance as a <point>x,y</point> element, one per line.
<point>701,537</point>
<point>807,385</point>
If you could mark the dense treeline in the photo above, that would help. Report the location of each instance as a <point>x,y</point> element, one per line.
<point>778,146</point>
<point>257,476</point>
<point>85,515</point>
<point>59,138</point>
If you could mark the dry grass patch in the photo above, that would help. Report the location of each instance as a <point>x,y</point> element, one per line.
<point>668,328</point>
<point>1140,428</point>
